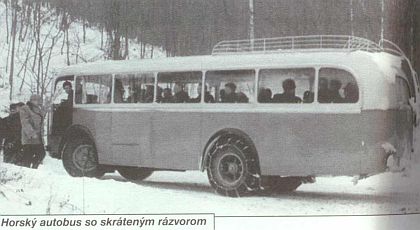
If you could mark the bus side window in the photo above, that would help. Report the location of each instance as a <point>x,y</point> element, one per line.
<point>337,86</point>
<point>286,85</point>
<point>93,89</point>
<point>231,86</point>
<point>134,88</point>
<point>179,87</point>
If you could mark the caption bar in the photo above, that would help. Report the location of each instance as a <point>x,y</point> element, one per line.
<point>144,222</point>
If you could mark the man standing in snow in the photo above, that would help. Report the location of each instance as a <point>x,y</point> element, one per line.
<point>32,117</point>
<point>12,143</point>
<point>2,132</point>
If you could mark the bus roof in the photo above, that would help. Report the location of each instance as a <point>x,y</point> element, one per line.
<point>355,59</point>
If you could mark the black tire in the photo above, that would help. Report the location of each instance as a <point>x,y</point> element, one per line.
<point>277,184</point>
<point>232,167</point>
<point>80,159</point>
<point>134,173</point>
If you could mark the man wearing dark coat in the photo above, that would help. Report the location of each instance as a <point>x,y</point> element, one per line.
<point>12,135</point>
<point>229,93</point>
<point>208,98</point>
<point>2,132</point>
<point>180,95</point>
<point>289,94</point>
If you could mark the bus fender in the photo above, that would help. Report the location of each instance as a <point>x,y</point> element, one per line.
<point>71,133</point>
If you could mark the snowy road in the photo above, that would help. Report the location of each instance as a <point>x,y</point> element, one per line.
<point>51,190</point>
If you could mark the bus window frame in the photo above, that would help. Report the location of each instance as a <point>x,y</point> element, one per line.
<point>254,102</point>
<point>315,103</point>
<point>356,79</point>
<point>135,74</point>
<point>96,104</point>
<point>202,72</point>
<point>316,69</point>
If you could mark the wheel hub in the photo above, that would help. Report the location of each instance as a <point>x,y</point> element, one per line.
<point>231,168</point>
<point>84,158</point>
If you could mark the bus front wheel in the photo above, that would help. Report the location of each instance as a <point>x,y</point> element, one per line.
<point>232,169</point>
<point>134,173</point>
<point>80,159</point>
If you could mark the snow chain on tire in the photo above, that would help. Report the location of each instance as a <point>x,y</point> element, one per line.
<point>241,149</point>
<point>75,170</point>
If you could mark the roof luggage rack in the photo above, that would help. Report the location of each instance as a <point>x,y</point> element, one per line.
<point>304,43</point>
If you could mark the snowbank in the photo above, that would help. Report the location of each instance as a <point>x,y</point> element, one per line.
<point>50,190</point>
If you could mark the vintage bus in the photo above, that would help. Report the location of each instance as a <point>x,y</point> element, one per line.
<point>255,114</point>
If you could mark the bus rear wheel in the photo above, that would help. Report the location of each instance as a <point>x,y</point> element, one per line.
<point>80,159</point>
<point>134,173</point>
<point>232,167</point>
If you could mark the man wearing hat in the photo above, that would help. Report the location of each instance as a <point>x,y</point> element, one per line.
<point>289,93</point>
<point>32,117</point>
<point>12,128</point>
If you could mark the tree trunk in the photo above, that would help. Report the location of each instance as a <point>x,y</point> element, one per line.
<point>12,58</point>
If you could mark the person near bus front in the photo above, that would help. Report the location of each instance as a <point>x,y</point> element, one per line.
<point>289,93</point>
<point>31,117</point>
<point>68,88</point>
<point>2,132</point>
<point>13,129</point>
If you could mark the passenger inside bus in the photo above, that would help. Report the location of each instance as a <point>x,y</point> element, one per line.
<point>288,95</point>
<point>180,95</point>
<point>323,91</point>
<point>68,88</point>
<point>308,97</point>
<point>78,94</point>
<point>208,98</point>
<point>351,93</point>
<point>159,91</point>
<point>167,96</point>
<point>229,95</point>
<point>264,95</point>
<point>119,91</point>
<point>335,86</point>
<point>149,93</point>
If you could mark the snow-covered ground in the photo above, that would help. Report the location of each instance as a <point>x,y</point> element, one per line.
<point>50,190</point>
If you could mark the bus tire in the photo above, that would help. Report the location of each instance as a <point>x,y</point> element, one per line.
<point>233,168</point>
<point>80,159</point>
<point>134,173</point>
<point>277,184</point>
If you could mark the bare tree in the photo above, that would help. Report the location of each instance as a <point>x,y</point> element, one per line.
<point>15,9</point>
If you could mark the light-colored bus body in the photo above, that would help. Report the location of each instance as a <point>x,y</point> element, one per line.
<point>290,139</point>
